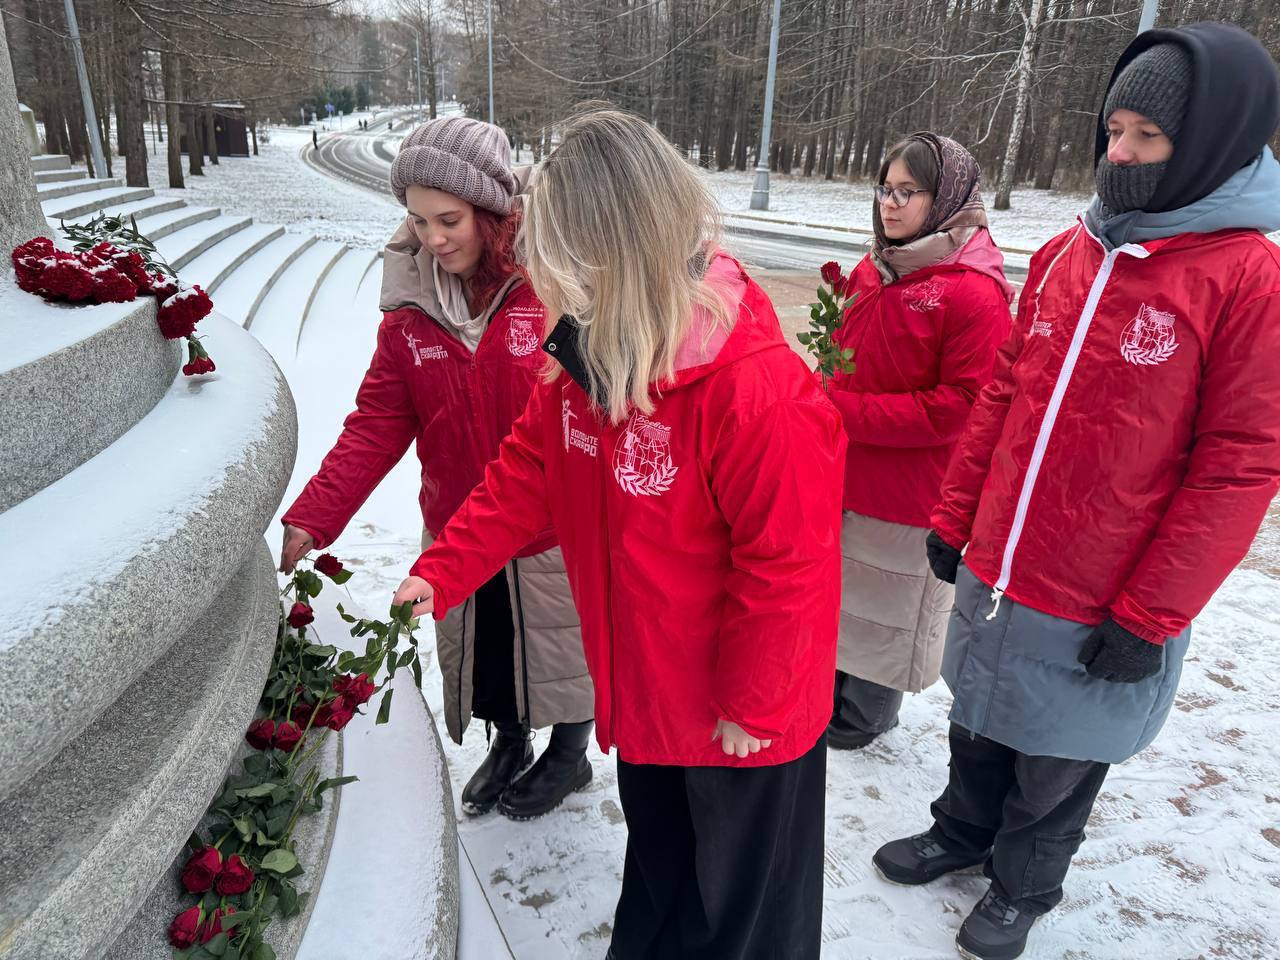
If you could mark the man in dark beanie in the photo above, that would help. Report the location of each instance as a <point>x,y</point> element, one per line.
<point>1111,475</point>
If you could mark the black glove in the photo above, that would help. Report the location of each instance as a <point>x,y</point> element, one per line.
<point>944,559</point>
<point>1113,653</point>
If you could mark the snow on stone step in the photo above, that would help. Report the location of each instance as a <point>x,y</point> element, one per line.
<point>183,246</point>
<point>213,266</point>
<point>79,204</point>
<point>334,317</point>
<point>241,293</point>
<point>138,209</point>
<point>50,161</point>
<point>279,316</point>
<point>171,220</point>
<point>51,191</point>
<point>59,176</point>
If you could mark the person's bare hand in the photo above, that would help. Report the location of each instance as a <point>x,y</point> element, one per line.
<point>735,741</point>
<point>417,590</point>
<point>297,544</point>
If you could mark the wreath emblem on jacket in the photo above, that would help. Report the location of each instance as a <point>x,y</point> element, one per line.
<point>925,295</point>
<point>521,339</point>
<point>1148,338</point>
<point>642,462</point>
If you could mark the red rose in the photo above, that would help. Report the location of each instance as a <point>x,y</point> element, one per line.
<point>335,714</point>
<point>180,312</point>
<point>831,273</point>
<point>236,877</point>
<point>302,714</point>
<point>188,369</point>
<point>182,932</point>
<point>260,733</point>
<point>36,246</point>
<point>329,565</point>
<point>354,690</point>
<point>202,869</point>
<point>300,615</point>
<point>287,736</point>
<point>213,926</point>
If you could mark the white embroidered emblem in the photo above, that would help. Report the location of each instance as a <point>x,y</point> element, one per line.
<point>420,353</point>
<point>521,338</point>
<point>573,437</point>
<point>1148,338</point>
<point>642,462</point>
<point>1041,328</point>
<point>925,295</point>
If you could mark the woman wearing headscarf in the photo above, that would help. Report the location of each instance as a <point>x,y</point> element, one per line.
<point>931,308</point>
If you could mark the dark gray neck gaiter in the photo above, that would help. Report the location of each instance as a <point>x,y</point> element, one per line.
<point>1125,188</point>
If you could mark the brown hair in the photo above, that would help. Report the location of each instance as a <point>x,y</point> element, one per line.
<point>922,164</point>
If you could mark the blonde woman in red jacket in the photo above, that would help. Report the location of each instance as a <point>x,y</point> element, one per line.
<point>932,307</point>
<point>690,466</point>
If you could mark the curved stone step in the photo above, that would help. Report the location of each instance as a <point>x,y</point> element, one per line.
<point>242,293</point>
<point>338,289</point>
<point>59,176</point>
<point>151,526</point>
<point>52,191</point>
<point>182,246</point>
<point>138,209</point>
<point>213,266</point>
<point>86,837</point>
<point>65,406</point>
<point>163,223</point>
<point>50,161</point>
<point>279,318</point>
<point>145,936</point>
<point>89,202</point>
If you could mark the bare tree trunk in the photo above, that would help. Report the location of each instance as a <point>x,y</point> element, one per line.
<point>1024,68</point>
<point>134,146</point>
<point>195,154</point>
<point>171,67</point>
<point>211,140</point>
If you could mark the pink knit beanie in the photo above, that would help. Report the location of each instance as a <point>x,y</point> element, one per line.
<point>468,158</point>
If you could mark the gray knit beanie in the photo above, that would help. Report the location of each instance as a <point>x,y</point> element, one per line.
<point>468,158</point>
<point>1156,84</point>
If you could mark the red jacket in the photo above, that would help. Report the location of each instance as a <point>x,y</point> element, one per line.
<point>1123,457</point>
<point>702,545</point>
<point>923,348</point>
<point>425,385</point>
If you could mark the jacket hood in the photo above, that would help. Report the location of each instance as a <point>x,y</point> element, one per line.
<point>1233,108</point>
<point>982,256</point>
<point>1248,200</point>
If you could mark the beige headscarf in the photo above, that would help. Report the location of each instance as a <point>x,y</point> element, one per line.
<point>956,215</point>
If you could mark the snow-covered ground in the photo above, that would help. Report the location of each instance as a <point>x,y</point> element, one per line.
<point>276,187</point>
<point>1183,854</point>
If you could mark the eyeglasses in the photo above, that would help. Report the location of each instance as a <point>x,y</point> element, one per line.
<point>901,196</point>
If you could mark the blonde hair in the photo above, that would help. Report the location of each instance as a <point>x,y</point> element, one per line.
<point>617,233</point>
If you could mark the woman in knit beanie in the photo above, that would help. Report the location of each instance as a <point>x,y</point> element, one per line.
<point>456,360</point>
<point>1111,476</point>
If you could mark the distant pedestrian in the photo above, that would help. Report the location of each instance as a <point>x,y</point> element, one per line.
<point>315,141</point>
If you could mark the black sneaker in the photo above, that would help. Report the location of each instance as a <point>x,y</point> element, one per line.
<point>510,754</point>
<point>994,930</point>
<point>921,859</point>
<point>843,736</point>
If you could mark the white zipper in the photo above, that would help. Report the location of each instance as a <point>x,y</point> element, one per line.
<point>1051,411</point>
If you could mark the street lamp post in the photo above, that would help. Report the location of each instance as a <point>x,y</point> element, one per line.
<point>417,57</point>
<point>760,190</point>
<point>90,115</point>
<point>1148,18</point>
<point>490,16</point>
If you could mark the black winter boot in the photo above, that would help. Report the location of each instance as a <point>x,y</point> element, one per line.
<point>510,754</point>
<point>921,859</point>
<point>562,769</point>
<point>994,930</point>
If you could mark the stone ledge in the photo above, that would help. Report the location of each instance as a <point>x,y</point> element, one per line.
<point>61,409</point>
<point>86,837</point>
<point>120,556</point>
